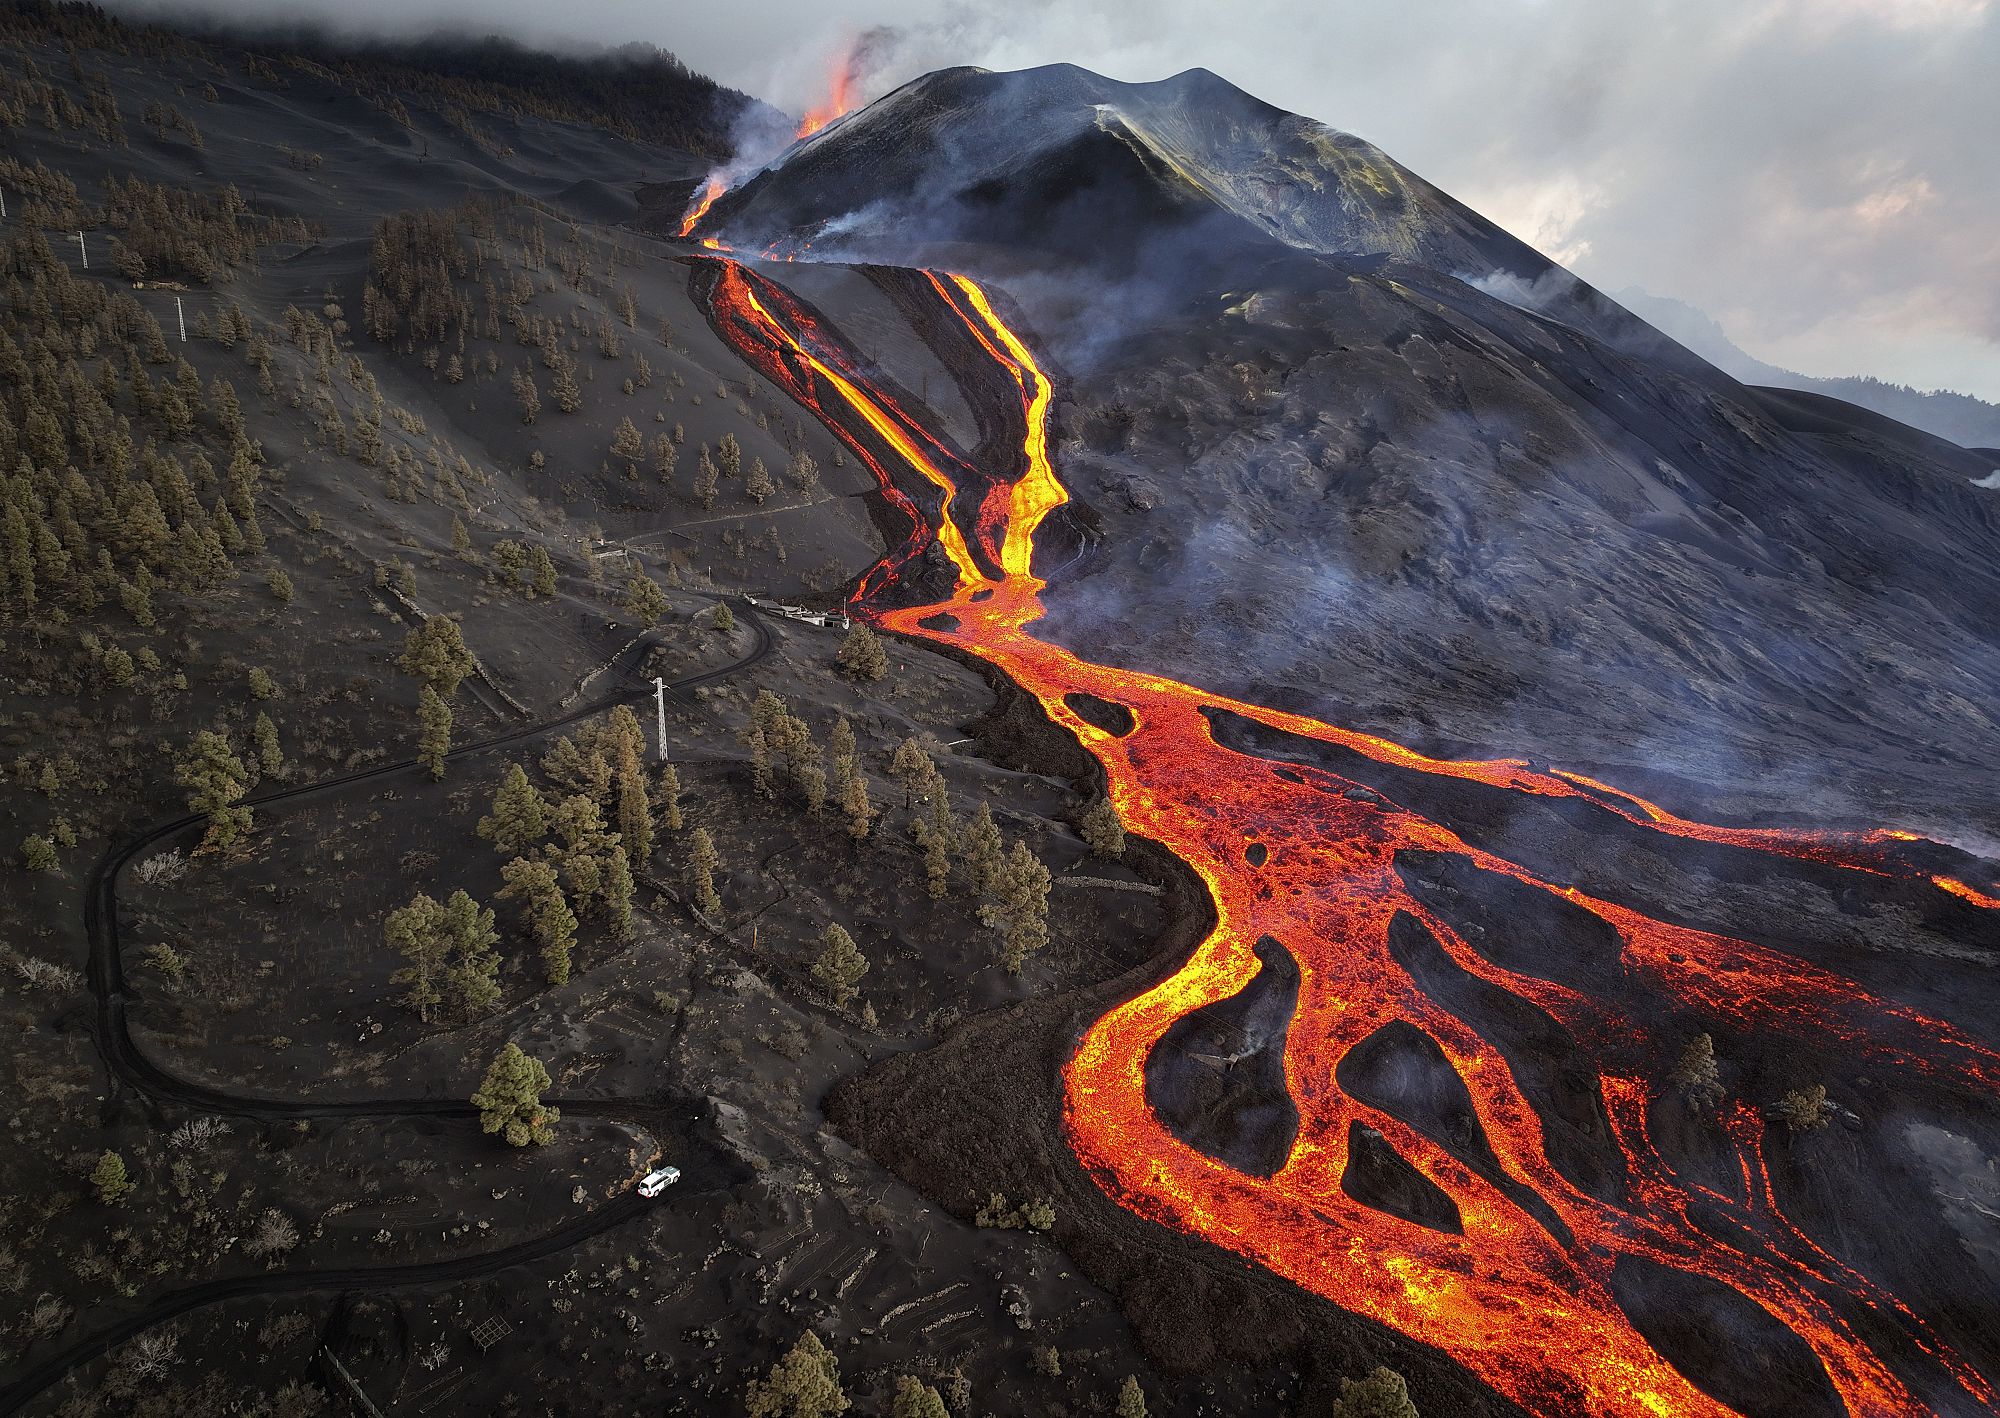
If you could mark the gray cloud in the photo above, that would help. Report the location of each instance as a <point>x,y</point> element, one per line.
<point>1816,174</point>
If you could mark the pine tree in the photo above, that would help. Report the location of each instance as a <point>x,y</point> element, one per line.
<point>626,442</point>
<point>803,471</point>
<point>851,793</point>
<point>861,655</point>
<point>913,769</point>
<point>618,894</point>
<point>1101,830</point>
<point>417,933</point>
<point>435,653</point>
<point>1383,1394</point>
<point>461,540</point>
<point>545,912</point>
<point>705,476</point>
<point>38,853</point>
<point>264,734</point>
<point>721,619</point>
<point>917,1399</point>
<point>1131,1399</point>
<point>1696,1074</point>
<point>1803,1109</point>
<point>645,602</point>
<point>583,848</point>
<point>729,456</point>
<point>215,779</point>
<point>635,812</point>
<point>433,730</point>
<point>666,457</point>
<point>982,852</point>
<point>1021,909</point>
<point>475,962</point>
<point>527,396</point>
<point>839,967</point>
<point>702,862</point>
<point>670,798</point>
<point>805,1383</point>
<point>937,834</point>
<point>758,485</point>
<point>510,1099</point>
<point>542,569</point>
<point>564,388</point>
<point>520,818</point>
<point>110,1179</point>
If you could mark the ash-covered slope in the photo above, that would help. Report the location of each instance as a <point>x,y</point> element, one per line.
<point>1343,441</point>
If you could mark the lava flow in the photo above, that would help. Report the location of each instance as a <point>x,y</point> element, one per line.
<point>1522,1294</point>
<point>838,102</point>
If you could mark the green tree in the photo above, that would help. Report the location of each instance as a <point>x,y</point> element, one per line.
<point>617,891</point>
<point>433,730</point>
<point>729,456</point>
<point>545,912</point>
<point>1383,1394</point>
<point>701,865</point>
<point>626,442</point>
<point>913,769</point>
<point>635,810</point>
<point>38,853</point>
<point>1696,1074</point>
<point>917,1399</point>
<point>280,584</point>
<point>861,655</point>
<point>839,967</point>
<point>583,848</point>
<point>542,569</point>
<point>805,1383</point>
<point>721,619</point>
<point>215,778</point>
<point>110,1179</point>
<point>645,602</point>
<point>264,734</point>
<point>758,485</point>
<point>520,818</point>
<point>666,457</point>
<point>1131,1399</point>
<point>510,1099</point>
<point>434,652</point>
<point>417,933</point>
<point>936,832</point>
<point>983,852</point>
<point>1101,830</point>
<point>475,959</point>
<point>262,686</point>
<point>1020,910</point>
<point>704,479</point>
<point>670,798</point>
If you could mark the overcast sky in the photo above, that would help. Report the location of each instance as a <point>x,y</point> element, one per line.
<point>1822,176</point>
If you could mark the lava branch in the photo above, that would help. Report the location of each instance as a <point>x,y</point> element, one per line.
<point>1521,1294</point>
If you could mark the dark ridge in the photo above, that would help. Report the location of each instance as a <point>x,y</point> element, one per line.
<point>1516,926</point>
<point>635,90</point>
<point>1217,1077</point>
<point>1256,854</point>
<point>1550,1068</point>
<point>1114,719</point>
<point>944,622</point>
<point>1726,1344</point>
<point>1400,1070</point>
<point>1378,1175</point>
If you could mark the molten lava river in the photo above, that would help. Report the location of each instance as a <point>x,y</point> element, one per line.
<point>1522,1294</point>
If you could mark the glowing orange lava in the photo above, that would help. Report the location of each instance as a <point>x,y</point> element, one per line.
<point>1522,1296</point>
<point>839,95</point>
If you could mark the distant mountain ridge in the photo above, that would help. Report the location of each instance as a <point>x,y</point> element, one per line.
<point>1967,421</point>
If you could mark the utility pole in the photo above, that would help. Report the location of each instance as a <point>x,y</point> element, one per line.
<point>660,701</point>
<point>83,251</point>
<point>3,204</point>
<point>180,313</point>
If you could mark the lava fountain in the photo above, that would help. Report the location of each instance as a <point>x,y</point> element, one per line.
<point>1521,1295</point>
